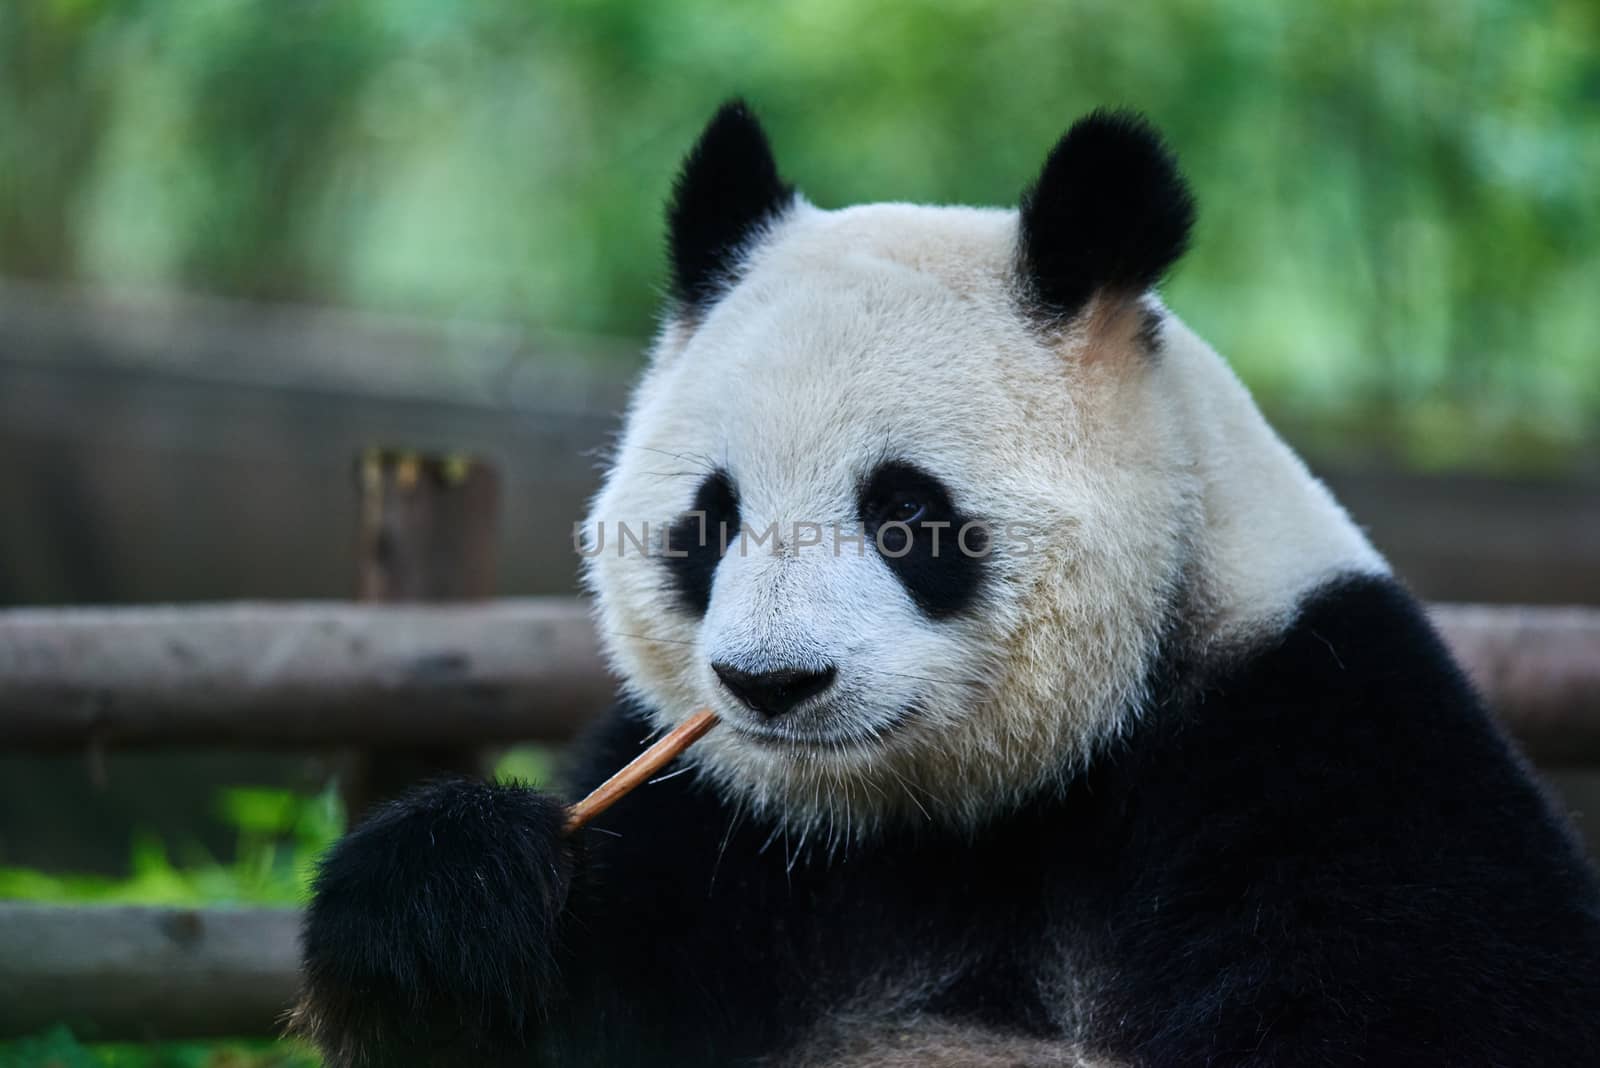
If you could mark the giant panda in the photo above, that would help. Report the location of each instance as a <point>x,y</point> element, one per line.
<point>1149,761</point>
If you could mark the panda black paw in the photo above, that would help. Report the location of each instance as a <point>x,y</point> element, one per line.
<point>431,933</point>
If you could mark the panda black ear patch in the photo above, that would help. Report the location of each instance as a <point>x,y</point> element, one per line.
<point>727,191</point>
<point>1109,212</point>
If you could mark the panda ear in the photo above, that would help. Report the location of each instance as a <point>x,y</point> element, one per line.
<point>1109,212</point>
<point>727,191</point>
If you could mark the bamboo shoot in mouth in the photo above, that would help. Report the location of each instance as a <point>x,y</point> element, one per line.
<point>640,768</point>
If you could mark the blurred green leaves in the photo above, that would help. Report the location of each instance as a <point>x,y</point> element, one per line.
<point>281,835</point>
<point>1399,238</point>
<point>59,1049</point>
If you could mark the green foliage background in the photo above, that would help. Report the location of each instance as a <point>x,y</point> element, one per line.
<point>1399,242</point>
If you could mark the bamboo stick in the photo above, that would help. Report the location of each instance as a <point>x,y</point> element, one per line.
<point>640,768</point>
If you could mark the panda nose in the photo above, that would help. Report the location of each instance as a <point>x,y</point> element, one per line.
<point>773,693</point>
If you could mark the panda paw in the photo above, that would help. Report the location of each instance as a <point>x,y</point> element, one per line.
<point>431,933</point>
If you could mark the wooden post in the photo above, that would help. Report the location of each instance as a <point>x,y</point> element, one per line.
<point>428,529</point>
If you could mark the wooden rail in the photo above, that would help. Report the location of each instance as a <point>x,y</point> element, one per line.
<point>137,973</point>
<point>1539,669</point>
<point>328,674</point>
<point>298,675</point>
<point>322,674</point>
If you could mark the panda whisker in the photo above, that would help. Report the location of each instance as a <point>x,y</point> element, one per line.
<point>676,474</point>
<point>705,463</point>
<point>669,775</point>
<point>798,848</point>
<point>909,792</point>
<point>777,829</point>
<point>917,678</point>
<point>722,848</point>
<point>648,638</point>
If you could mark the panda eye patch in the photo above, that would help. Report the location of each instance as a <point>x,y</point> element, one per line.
<point>698,538</point>
<point>908,516</point>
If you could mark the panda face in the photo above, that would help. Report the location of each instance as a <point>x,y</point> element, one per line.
<point>867,389</point>
<point>802,454</point>
<point>837,392</point>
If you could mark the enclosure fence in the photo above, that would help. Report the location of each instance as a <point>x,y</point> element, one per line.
<point>319,675</point>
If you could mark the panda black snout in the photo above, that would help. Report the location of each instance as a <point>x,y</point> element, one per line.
<point>771,694</point>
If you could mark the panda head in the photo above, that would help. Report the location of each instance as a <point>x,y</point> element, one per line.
<point>902,495</point>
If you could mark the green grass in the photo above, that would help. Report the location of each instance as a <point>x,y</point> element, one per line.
<point>59,1049</point>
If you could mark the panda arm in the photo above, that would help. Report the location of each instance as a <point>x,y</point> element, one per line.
<point>461,925</point>
<point>432,931</point>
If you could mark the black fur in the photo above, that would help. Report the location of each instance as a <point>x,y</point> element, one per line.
<point>727,191</point>
<point>433,930</point>
<point>940,567</point>
<point>1326,854</point>
<point>1109,211</point>
<point>700,536</point>
<point>1150,328</point>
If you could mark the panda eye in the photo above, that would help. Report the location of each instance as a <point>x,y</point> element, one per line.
<point>899,493</point>
<point>904,508</point>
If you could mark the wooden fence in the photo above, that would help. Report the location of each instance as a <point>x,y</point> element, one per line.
<point>322,674</point>
<point>325,674</point>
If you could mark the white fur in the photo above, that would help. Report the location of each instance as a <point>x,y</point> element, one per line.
<point>915,1041</point>
<point>894,331</point>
